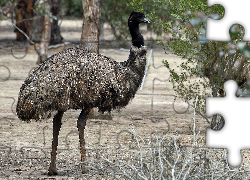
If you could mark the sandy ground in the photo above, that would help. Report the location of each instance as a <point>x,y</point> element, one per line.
<point>25,147</point>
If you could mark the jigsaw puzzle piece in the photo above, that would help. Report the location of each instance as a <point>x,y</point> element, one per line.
<point>234,135</point>
<point>4,73</point>
<point>236,12</point>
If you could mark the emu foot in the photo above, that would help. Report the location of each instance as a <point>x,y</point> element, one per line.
<point>54,172</point>
<point>84,170</point>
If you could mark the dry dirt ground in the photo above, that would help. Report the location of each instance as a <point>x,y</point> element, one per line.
<point>25,147</point>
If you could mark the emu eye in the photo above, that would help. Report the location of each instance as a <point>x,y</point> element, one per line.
<point>138,18</point>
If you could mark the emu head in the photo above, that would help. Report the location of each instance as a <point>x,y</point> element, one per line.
<point>136,18</point>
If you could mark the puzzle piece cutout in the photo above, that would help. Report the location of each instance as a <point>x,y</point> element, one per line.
<point>236,12</point>
<point>234,135</point>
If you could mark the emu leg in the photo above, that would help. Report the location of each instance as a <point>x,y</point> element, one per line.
<point>56,128</point>
<point>81,123</point>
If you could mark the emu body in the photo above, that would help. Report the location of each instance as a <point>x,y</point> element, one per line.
<point>77,79</point>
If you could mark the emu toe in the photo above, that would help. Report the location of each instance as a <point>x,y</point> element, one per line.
<point>84,171</point>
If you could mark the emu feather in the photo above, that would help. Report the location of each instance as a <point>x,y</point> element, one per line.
<point>77,79</point>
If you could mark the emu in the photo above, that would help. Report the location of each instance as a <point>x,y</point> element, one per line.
<point>77,79</point>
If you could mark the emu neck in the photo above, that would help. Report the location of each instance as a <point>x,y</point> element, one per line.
<point>136,61</point>
<point>137,38</point>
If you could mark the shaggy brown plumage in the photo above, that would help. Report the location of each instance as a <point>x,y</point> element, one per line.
<point>77,79</point>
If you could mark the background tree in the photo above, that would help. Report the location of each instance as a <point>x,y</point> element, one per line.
<point>23,17</point>
<point>55,36</point>
<point>29,18</point>
<point>72,8</point>
<point>43,46</point>
<point>90,27</point>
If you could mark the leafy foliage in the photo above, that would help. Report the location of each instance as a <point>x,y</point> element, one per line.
<point>6,7</point>
<point>40,6</point>
<point>72,8</point>
<point>116,13</point>
<point>206,64</point>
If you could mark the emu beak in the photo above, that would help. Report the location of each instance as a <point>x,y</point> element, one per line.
<point>145,20</point>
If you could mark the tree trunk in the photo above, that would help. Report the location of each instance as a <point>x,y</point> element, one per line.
<point>55,29</point>
<point>90,28</point>
<point>24,14</point>
<point>32,23</point>
<point>46,33</point>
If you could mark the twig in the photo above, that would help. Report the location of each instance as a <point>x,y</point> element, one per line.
<point>194,139</point>
<point>32,42</point>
